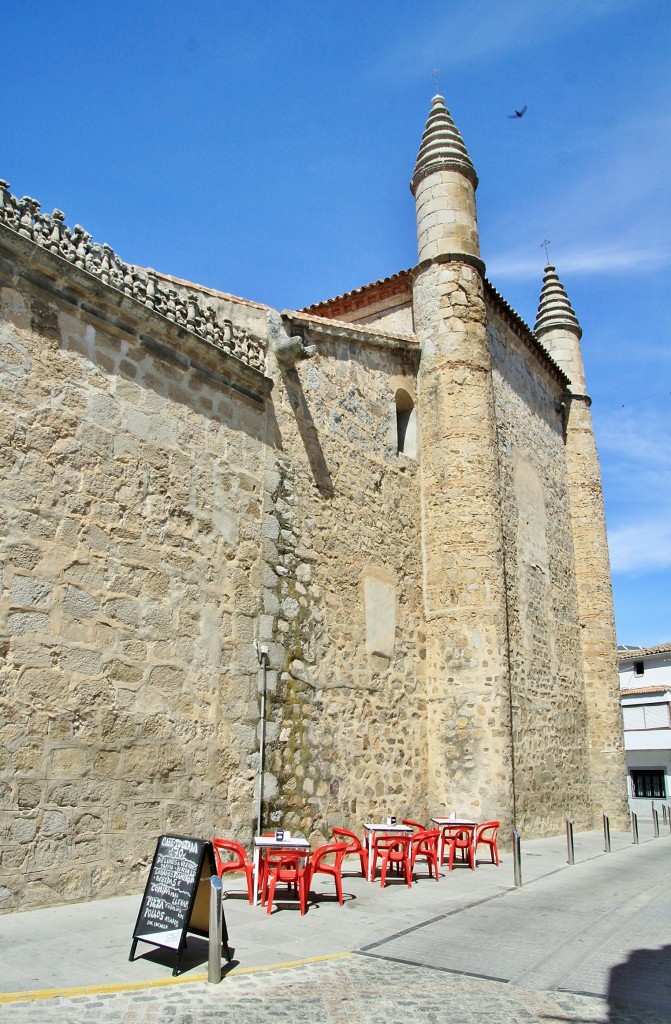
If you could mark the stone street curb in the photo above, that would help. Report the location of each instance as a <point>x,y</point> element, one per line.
<point>136,986</point>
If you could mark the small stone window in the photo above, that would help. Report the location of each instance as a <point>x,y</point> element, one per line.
<point>406,424</point>
<point>639,668</point>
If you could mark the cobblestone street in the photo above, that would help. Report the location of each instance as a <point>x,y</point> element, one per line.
<point>354,989</point>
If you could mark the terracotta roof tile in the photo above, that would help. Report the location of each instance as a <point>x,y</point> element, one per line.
<point>643,652</point>
<point>633,691</point>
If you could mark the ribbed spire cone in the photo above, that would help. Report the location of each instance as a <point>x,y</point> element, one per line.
<point>554,308</point>
<point>442,147</point>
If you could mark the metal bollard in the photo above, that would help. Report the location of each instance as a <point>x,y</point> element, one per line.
<point>569,841</point>
<point>517,859</point>
<point>664,815</point>
<point>214,948</point>
<point>634,826</point>
<point>606,834</point>
<point>655,823</point>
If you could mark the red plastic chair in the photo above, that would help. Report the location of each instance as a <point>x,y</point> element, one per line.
<point>414,824</point>
<point>461,838</point>
<point>268,857</point>
<point>287,869</point>
<point>317,865</point>
<point>394,851</point>
<point>354,846</point>
<point>425,844</point>
<point>237,862</point>
<point>486,835</point>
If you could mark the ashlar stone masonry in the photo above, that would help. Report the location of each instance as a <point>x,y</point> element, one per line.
<point>395,493</point>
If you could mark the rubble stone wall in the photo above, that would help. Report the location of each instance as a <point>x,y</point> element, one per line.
<point>549,717</point>
<point>347,738</point>
<point>469,764</point>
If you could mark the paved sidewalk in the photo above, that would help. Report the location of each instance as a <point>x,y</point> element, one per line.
<point>590,942</point>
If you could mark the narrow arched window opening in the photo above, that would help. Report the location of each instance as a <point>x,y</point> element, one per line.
<point>406,424</point>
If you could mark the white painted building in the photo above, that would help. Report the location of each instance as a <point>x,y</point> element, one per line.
<point>645,694</point>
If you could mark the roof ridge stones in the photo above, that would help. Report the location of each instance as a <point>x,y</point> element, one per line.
<point>76,246</point>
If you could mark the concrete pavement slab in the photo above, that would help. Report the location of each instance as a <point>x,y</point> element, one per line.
<point>580,928</point>
<point>568,930</point>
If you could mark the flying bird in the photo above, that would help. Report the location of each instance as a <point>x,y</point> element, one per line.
<point>519,113</point>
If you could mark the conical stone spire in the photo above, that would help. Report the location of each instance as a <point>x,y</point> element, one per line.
<point>442,147</point>
<point>554,309</point>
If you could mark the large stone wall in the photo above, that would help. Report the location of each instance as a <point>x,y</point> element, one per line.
<point>176,485</point>
<point>131,511</point>
<point>398,319</point>
<point>344,614</point>
<point>160,511</point>
<point>469,741</point>
<point>549,721</point>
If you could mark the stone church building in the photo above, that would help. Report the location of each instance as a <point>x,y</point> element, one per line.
<point>314,567</point>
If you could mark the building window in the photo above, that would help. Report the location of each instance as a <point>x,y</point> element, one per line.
<point>648,782</point>
<point>406,424</point>
<point>639,668</point>
<point>646,716</point>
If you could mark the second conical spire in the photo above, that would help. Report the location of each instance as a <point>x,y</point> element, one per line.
<point>554,308</point>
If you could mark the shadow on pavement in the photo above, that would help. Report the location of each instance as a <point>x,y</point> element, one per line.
<point>643,980</point>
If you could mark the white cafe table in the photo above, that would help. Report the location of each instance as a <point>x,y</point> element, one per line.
<point>289,843</point>
<point>375,829</point>
<point>441,822</point>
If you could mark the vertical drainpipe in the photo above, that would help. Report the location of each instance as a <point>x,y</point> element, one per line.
<point>262,655</point>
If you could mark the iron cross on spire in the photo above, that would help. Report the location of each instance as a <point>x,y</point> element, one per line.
<point>544,245</point>
<point>434,74</point>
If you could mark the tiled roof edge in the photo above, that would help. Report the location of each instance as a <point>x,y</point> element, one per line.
<point>639,691</point>
<point>401,277</point>
<point>642,652</point>
<point>527,335</point>
<point>496,299</point>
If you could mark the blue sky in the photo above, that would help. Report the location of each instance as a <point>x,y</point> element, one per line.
<point>265,149</point>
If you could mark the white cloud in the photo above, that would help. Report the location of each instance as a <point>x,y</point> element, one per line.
<point>635,445</point>
<point>484,31</point>
<point>637,439</point>
<point>641,547</point>
<point>607,212</point>
<point>603,260</point>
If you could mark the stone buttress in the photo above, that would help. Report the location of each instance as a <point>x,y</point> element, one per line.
<point>469,735</point>
<point>559,331</point>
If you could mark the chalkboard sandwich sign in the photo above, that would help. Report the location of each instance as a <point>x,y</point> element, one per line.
<point>177,896</point>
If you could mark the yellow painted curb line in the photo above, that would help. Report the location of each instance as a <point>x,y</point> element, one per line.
<point>135,986</point>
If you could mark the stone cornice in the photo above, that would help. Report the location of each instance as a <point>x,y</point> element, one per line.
<point>451,257</point>
<point>317,328</point>
<point>22,259</point>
